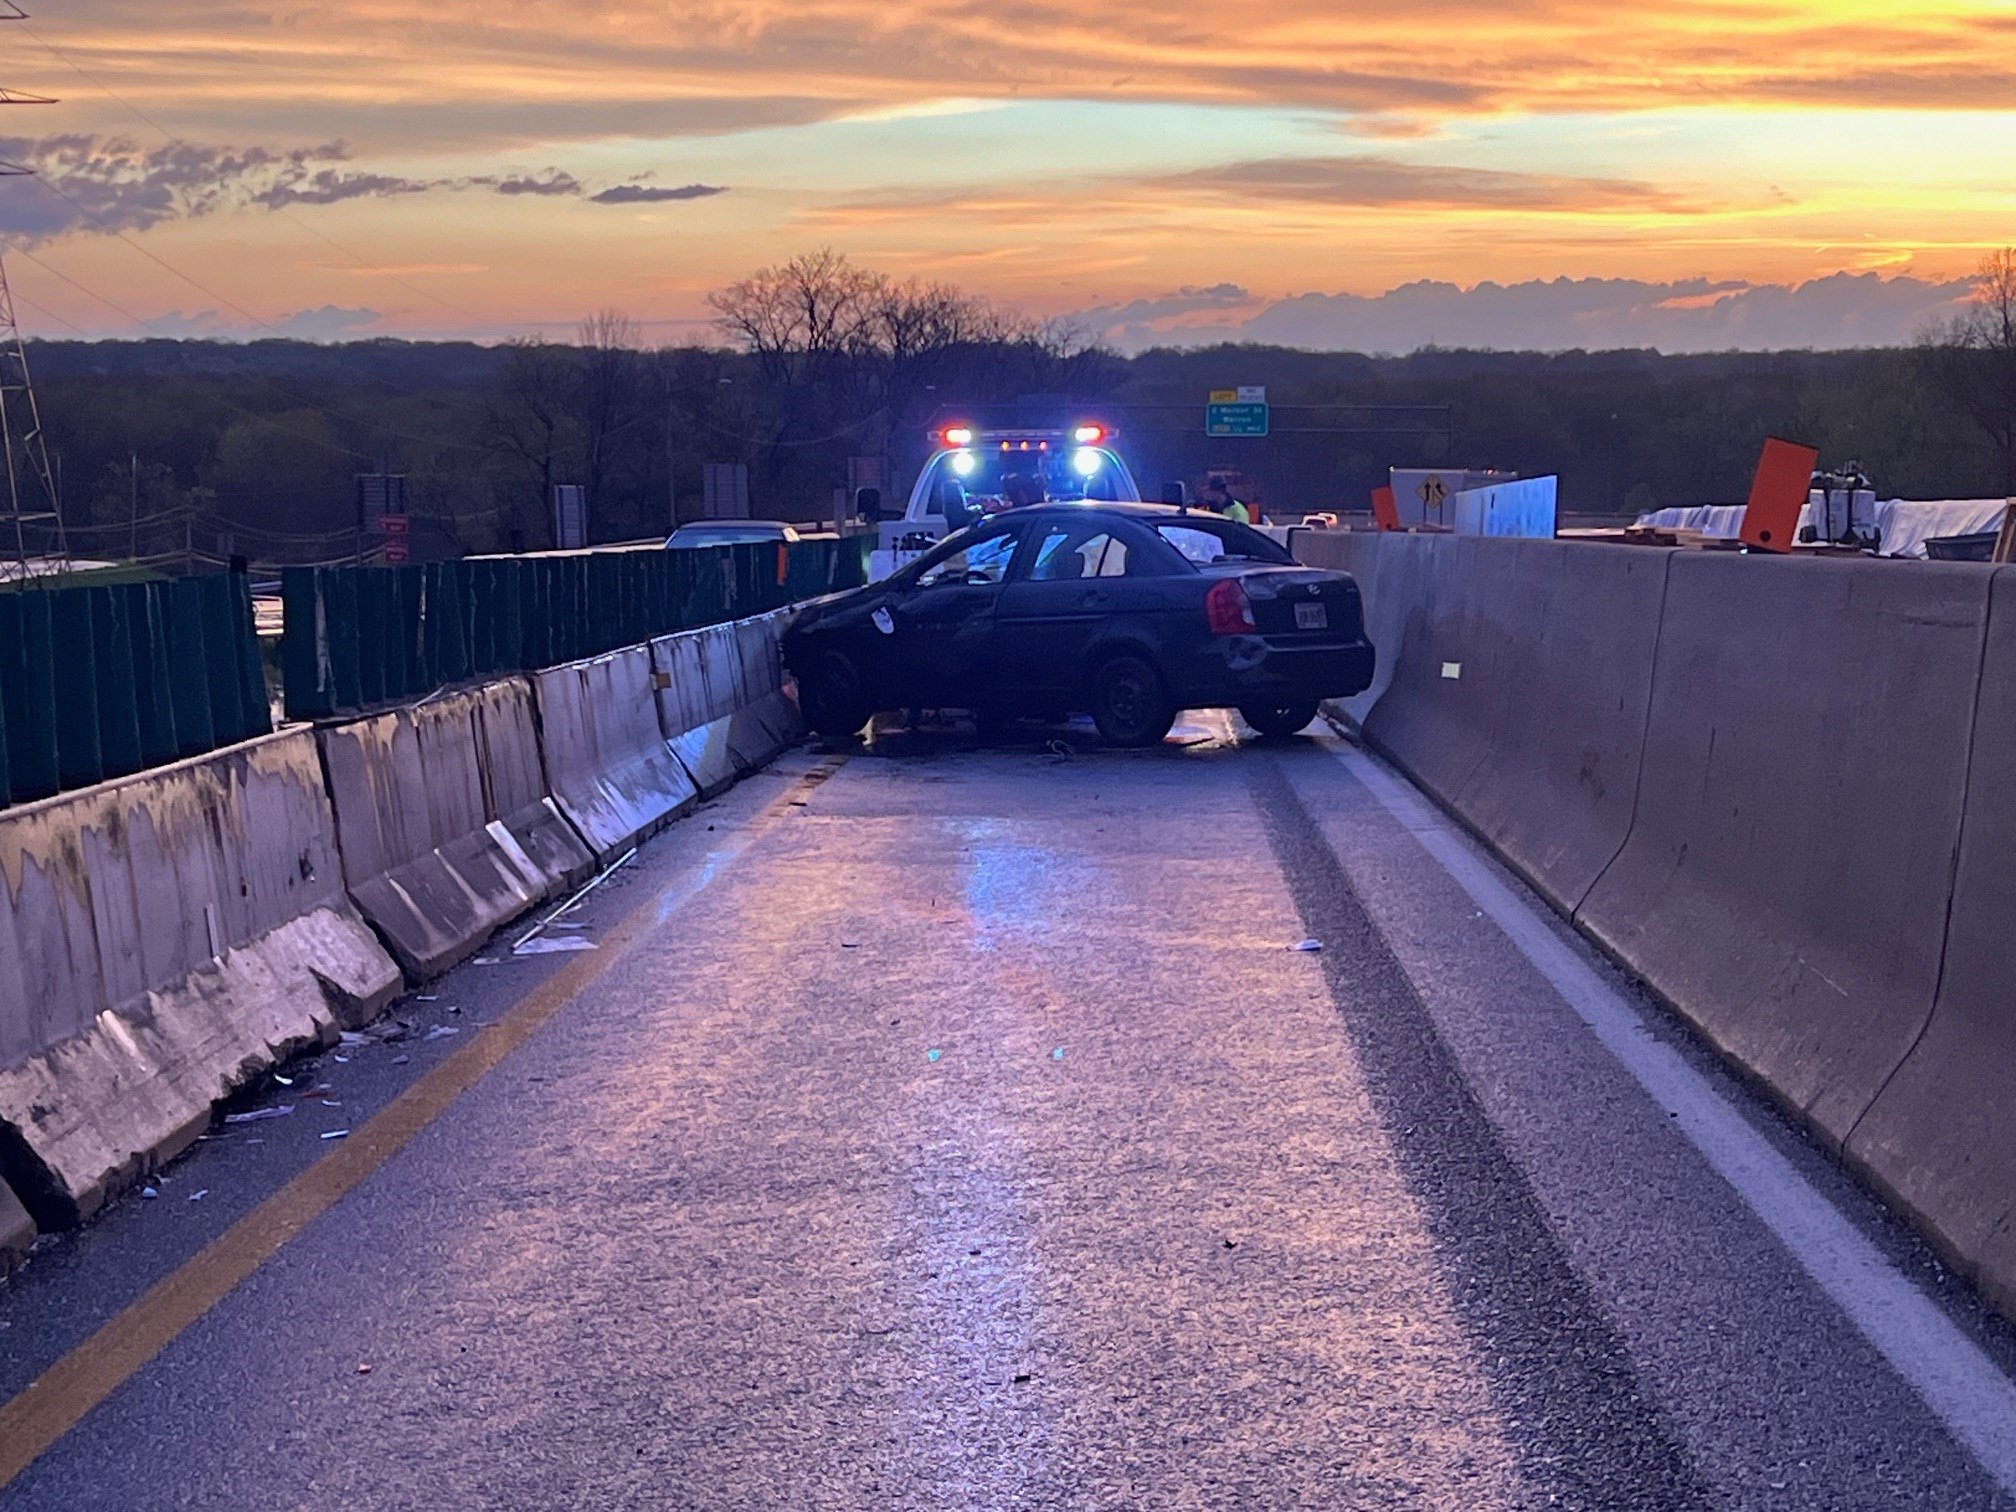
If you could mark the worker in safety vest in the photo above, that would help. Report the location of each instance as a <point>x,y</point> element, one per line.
<point>1218,497</point>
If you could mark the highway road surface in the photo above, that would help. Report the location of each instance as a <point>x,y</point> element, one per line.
<point>928,1124</point>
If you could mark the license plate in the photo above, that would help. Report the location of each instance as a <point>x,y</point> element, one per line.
<point>1312,617</point>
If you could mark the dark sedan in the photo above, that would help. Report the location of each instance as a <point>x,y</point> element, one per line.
<point>1126,612</point>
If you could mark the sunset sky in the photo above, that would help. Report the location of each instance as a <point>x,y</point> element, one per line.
<point>1729,173</point>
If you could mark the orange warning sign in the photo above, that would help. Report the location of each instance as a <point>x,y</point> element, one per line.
<point>1385,513</point>
<point>1777,493</point>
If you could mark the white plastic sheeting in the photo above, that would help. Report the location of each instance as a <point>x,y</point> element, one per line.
<point>1904,525</point>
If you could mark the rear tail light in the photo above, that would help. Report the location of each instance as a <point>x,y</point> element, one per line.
<point>1228,609</point>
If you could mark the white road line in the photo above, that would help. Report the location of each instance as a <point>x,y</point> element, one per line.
<point>1957,1380</point>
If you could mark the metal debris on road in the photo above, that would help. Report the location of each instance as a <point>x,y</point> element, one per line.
<point>552,945</point>
<point>440,1031</point>
<point>1307,947</point>
<point>279,1110</point>
<point>336,1134</point>
<point>149,1192</point>
<point>198,1196</point>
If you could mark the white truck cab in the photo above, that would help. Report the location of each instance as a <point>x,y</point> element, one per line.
<point>974,473</point>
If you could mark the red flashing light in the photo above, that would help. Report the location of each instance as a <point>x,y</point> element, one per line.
<point>1089,435</point>
<point>957,435</point>
<point>1228,610</point>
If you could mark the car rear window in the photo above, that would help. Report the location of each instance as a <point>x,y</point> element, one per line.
<point>1204,541</point>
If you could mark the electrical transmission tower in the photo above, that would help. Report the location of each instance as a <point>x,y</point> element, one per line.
<point>31,515</point>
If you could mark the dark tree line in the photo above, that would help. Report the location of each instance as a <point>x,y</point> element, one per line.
<point>166,447</point>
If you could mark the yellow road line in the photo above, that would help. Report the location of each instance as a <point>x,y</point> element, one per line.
<point>55,1401</point>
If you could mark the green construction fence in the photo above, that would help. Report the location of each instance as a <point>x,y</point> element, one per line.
<point>356,637</point>
<point>103,681</point>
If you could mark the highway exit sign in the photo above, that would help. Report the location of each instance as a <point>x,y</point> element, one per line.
<point>1236,412</point>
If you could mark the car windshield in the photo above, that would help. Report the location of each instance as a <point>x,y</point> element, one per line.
<point>724,535</point>
<point>1203,541</point>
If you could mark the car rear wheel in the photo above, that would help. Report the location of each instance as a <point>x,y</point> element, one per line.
<point>831,697</point>
<point>1129,704</point>
<point>1276,721</point>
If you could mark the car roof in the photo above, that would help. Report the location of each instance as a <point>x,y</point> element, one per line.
<point>736,525</point>
<point>1147,514</point>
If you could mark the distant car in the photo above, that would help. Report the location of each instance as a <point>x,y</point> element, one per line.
<point>1127,612</point>
<point>728,533</point>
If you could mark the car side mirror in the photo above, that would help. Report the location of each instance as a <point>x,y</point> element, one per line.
<point>868,504</point>
<point>1175,493</point>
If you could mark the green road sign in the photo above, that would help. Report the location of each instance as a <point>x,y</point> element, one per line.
<point>1235,419</point>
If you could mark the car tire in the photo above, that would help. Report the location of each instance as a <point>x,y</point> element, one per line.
<point>831,697</point>
<point>1129,703</point>
<point>1277,721</point>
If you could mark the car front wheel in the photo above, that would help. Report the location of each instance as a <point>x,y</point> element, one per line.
<point>1129,704</point>
<point>1276,721</point>
<point>831,697</point>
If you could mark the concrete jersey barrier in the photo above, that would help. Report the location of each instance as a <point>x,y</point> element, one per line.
<point>446,831</point>
<point>722,697</point>
<point>1786,878</point>
<point>612,773</point>
<point>164,938</point>
<point>1940,1137</point>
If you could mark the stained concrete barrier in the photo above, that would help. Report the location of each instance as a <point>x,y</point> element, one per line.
<point>445,827</point>
<point>698,675</point>
<point>723,700</point>
<point>1786,878</point>
<point>1941,1136</point>
<point>611,771</point>
<point>17,1230</point>
<point>163,938</point>
<point>1373,560</point>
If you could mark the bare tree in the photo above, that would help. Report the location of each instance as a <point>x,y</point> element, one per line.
<point>530,423</point>
<point>610,398</point>
<point>1972,357</point>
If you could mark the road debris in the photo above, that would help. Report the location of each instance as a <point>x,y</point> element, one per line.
<point>336,1134</point>
<point>279,1110</point>
<point>552,945</point>
<point>199,1195</point>
<point>1307,947</point>
<point>149,1193</point>
<point>439,1031</point>
<point>933,1055</point>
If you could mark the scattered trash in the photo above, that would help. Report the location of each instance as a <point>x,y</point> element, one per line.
<point>454,1010</point>
<point>341,1060</point>
<point>149,1192</point>
<point>440,1031</point>
<point>400,1060</point>
<point>850,944</point>
<point>1058,1053</point>
<point>1022,1380</point>
<point>1307,947</point>
<point>427,997</point>
<point>1062,750</point>
<point>198,1196</point>
<point>548,945</point>
<point>280,1110</point>
<point>285,1081</point>
<point>336,1134</point>
<point>486,961</point>
<point>315,1092</point>
<point>1231,1244</point>
<point>933,1055</point>
<point>363,1370</point>
<point>352,1038</point>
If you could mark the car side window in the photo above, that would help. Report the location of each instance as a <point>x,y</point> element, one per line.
<point>1067,552</point>
<point>981,561</point>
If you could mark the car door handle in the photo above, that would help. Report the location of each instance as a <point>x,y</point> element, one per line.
<point>1093,598</point>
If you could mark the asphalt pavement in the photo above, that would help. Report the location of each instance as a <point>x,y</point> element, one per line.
<point>936,1124</point>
